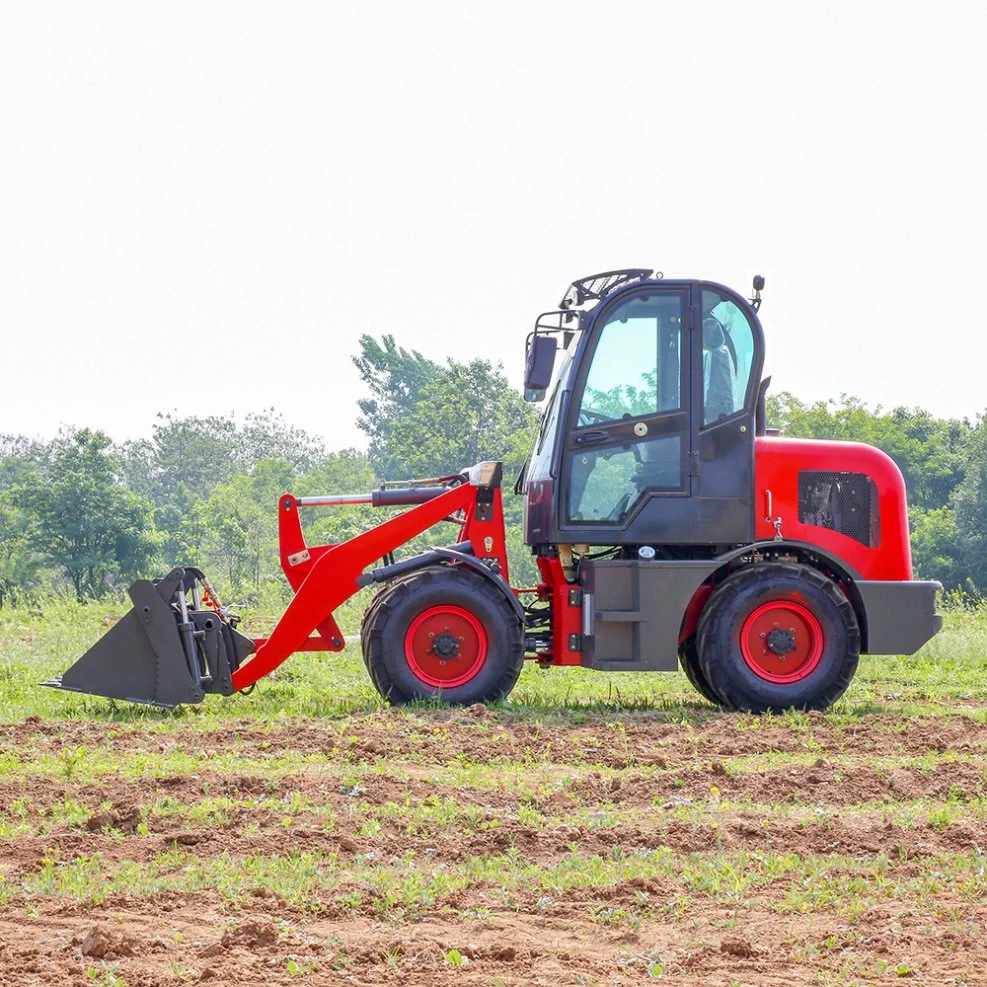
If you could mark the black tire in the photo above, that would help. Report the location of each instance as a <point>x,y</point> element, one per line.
<point>471,616</point>
<point>689,660</point>
<point>370,613</point>
<point>816,645</point>
<point>365,625</point>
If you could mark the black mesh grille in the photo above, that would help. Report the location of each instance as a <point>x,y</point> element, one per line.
<point>844,502</point>
<point>598,285</point>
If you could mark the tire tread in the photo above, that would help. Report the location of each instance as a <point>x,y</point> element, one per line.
<point>713,628</point>
<point>376,631</point>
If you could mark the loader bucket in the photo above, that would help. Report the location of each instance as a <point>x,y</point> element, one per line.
<point>163,652</point>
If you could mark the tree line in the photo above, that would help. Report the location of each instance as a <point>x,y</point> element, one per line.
<point>85,515</point>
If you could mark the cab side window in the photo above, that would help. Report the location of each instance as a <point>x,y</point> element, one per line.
<point>728,353</point>
<point>636,365</point>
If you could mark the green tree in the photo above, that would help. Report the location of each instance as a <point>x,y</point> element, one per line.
<point>21,569</point>
<point>82,520</point>
<point>937,552</point>
<point>17,568</point>
<point>243,526</point>
<point>395,377</point>
<point>184,523</point>
<point>188,459</point>
<point>970,509</point>
<point>467,413</point>
<point>197,453</point>
<point>266,435</point>
<point>345,472</point>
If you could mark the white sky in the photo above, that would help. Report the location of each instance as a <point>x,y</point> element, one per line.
<point>203,205</point>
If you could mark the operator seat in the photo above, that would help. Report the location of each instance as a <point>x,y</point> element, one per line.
<point>719,373</point>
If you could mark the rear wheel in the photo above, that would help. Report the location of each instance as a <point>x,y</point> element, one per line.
<point>445,633</point>
<point>778,636</point>
<point>689,660</point>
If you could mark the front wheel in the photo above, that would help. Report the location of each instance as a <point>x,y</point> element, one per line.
<point>778,636</point>
<point>445,633</point>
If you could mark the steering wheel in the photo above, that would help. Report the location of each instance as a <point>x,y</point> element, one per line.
<point>619,509</point>
<point>587,417</point>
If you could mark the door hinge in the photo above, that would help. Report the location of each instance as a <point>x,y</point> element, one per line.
<point>575,642</point>
<point>575,597</point>
<point>692,322</point>
<point>694,463</point>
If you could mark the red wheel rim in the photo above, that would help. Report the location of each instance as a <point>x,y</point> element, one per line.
<point>782,642</point>
<point>445,646</point>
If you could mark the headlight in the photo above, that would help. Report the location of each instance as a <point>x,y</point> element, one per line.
<point>486,474</point>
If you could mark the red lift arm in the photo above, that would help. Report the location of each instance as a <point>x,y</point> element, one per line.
<point>325,576</point>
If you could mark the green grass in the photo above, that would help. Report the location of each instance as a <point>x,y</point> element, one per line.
<point>452,813</point>
<point>846,885</point>
<point>948,672</point>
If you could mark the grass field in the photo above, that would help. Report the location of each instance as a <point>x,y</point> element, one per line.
<point>595,829</point>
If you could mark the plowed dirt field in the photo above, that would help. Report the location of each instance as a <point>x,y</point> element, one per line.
<point>473,847</point>
<point>593,830</point>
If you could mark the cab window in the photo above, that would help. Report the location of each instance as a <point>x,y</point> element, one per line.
<point>635,372</point>
<point>636,368</point>
<point>728,354</point>
<point>605,485</point>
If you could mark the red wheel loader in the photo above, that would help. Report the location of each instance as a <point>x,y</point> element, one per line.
<point>669,527</point>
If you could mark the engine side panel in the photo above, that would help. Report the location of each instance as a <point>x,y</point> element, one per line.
<point>845,497</point>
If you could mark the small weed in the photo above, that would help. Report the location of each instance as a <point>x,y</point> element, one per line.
<point>455,958</point>
<point>609,916</point>
<point>71,758</point>
<point>107,977</point>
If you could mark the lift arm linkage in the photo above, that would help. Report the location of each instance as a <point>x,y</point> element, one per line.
<point>325,576</point>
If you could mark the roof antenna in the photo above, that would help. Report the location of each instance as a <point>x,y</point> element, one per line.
<point>758,288</point>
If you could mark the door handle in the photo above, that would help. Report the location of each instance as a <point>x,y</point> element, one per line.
<point>588,438</point>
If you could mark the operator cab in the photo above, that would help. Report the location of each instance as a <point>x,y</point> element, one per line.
<point>648,433</point>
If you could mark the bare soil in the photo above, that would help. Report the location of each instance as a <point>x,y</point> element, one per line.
<point>639,770</point>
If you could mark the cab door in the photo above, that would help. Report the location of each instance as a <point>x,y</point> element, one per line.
<point>659,440</point>
<point>630,439</point>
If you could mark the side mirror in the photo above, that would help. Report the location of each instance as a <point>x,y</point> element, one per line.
<point>539,362</point>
